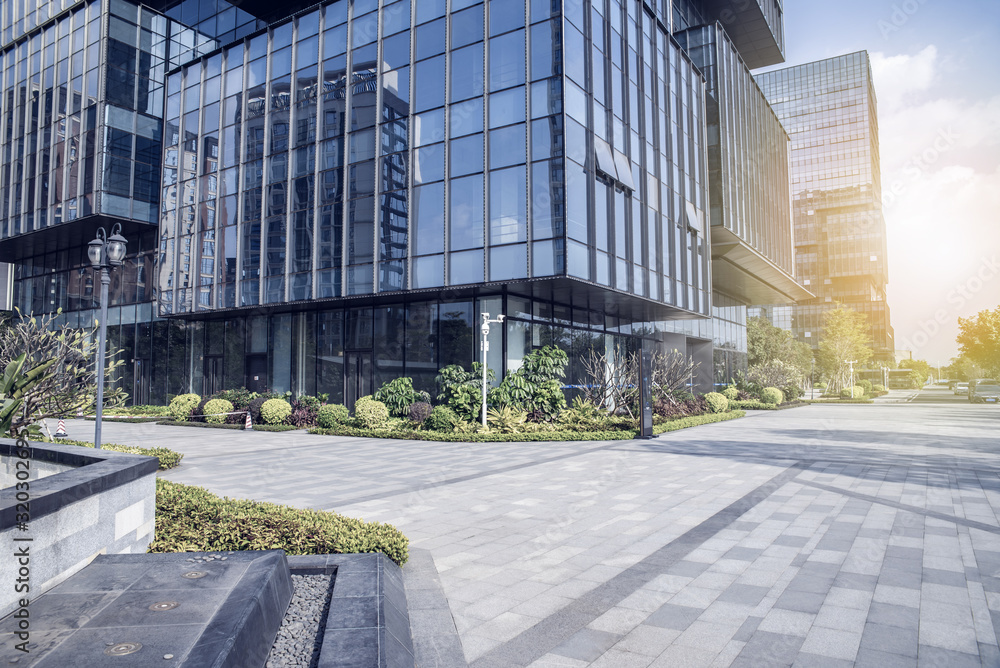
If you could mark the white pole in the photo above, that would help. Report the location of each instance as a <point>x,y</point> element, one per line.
<point>485,347</point>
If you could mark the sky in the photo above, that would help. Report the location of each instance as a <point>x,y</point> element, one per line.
<point>936,65</point>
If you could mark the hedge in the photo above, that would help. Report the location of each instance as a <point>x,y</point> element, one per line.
<point>115,418</point>
<point>452,437</point>
<point>192,519</point>
<point>273,427</point>
<point>840,401</point>
<point>753,405</point>
<point>168,458</point>
<point>696,420</point>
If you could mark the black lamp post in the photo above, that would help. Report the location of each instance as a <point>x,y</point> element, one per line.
<point>105,253</point>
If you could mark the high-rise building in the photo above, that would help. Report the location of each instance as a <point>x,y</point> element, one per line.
<point>830,112</point>
<point>320,198</point>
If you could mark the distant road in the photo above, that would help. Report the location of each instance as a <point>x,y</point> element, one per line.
<point>942,395</point>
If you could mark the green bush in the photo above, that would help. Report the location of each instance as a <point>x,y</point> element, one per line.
<point>240,398</point>
<point>461,390</point>
<point>331,415</point>
<point>441,418</point>
<point>752,406</point>
<point>772,395</point>
<point>865,385</point>
<point>856,392</point>
<point>215,406</point>
<point>182,405</point>
<point>371,413</point>
<point>193,519</point>
<point>820,386</point>
<point>535,386</point>
<point>275,427</point>
<point>168,458</point>
<point>505,419</point>
<point>879,388</point>
<point>398,395</point>
<point>275,411</point>
<point>717,403</point>
<point>731,393</point>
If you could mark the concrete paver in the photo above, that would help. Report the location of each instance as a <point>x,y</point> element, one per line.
<point>826,535</point>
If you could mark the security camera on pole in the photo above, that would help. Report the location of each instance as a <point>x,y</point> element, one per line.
<point>485,347</point>
<point>851,364</point>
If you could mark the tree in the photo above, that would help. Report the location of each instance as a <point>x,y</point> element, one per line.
<point>845,339</point>
<point>979,340</point>
<point>70,383</point>
<point>612,377</point>
<point>767,343</point>
<point>921,369</point>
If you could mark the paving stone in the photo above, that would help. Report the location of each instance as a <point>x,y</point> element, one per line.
<point>899,616</point>
<point>935,657</point>
<point>587,644</point>
<point>677,617</point>
<point>892,639</point>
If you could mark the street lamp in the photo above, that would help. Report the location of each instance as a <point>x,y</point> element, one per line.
<point>485,347</point>
<point>851,363</point>
<point>105,253</point>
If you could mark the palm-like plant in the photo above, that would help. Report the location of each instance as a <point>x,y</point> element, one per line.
<point>15,384</point>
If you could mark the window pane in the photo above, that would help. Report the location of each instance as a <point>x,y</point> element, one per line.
<point>429,84</point>
<point>547,199</point>
<point>509,262</point>
<point>466,155</point>
<point>467,27</point>
<point>428,272</point>
<point>429,127</point>
<point>466,73</point>
<point>507,107</point>
<point>507,146</point>
<point>466,267</point>
<point>547,258</point>
<point>507,60</point>
<point>466,118</point>
<point>505,16</point>
<point>430,39</point>
<point>428,219</point>
<point>508,209</point>
<point>466,213</point>
<point>428,164</point>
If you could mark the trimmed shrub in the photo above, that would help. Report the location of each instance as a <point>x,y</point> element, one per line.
<point>239,398</point>
<point>371,413</point>
<point>331,415</point>
<point>419,412</point>
<point>441,418</point>
<point>731,393</point>
<point>193,519</point>
<point>214,406</point>
<point>256,405</point>
<point>856,392</point>
<point>274,411</point>
<point>865,385</point>
<point>772,395</point>
<point>879,388</point>
<point>717,403</point>
<point>182,405</point>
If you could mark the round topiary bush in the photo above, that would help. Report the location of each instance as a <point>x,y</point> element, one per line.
<point>215,410</point>
<point>772,395</point>
<point>441,418</point>
<point>879,389</point>
<point>182,405</point>
<point>419,411</point>
<point>274,411</point>
<point>332,415</point>
<point>717,403</point>
<point>865,385</point>
<point>372,414</point>
<point>731,393</point>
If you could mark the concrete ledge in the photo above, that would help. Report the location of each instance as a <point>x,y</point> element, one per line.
<point>368,623</point>
<point>223,613</point>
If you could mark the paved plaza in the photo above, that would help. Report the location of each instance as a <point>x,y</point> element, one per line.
<point>862,535</point>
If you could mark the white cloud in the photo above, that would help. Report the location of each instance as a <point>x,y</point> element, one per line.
<point>898,78</point>
<point>941,190</point>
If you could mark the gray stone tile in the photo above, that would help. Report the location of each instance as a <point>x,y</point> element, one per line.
<point>748,628</point>
<point>743,593</point>
<point>806,660</point>
<point>869,658</point>
<point>899,616</point>
<point>791,541</point>
<point>770,649</point>
<point>743,553</point>
<point>856,581</point>
<point>690,569</point>
<point>935,657</point>
<point>587,644</point>
<point>677,617</point>
<point>940,577</point>
<point>800,601</point>
<point>892,639</point>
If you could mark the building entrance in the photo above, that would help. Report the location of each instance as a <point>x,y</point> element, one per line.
<point>357,377</point>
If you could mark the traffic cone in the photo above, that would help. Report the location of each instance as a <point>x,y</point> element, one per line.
<point>61,429</point>
<point>79,412</point>
<point>248,426</point>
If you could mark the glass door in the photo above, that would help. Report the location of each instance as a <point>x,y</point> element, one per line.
<point>358,377</point>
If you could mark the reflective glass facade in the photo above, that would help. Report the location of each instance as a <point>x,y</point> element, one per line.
<point>349,152</point>
<point>322,198</point>
<point>829,110</point>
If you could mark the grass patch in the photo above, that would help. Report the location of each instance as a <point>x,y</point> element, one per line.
<point>840,401</point>
<point>168,458</point>
<point>192,519</point>
<point>275,427</point>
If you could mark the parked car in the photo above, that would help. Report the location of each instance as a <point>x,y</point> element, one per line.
<point>962,388</point>
<point>985,393</point>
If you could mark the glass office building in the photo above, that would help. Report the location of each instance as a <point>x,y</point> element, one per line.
<point>321,198</point>
<point>829,109</point>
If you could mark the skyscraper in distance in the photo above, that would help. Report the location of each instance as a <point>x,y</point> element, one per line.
<point>829,109</point>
